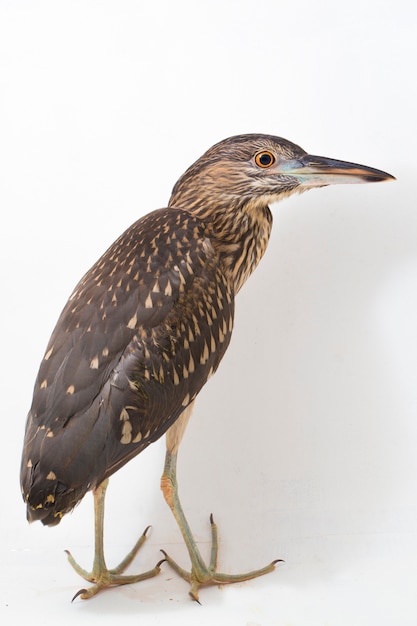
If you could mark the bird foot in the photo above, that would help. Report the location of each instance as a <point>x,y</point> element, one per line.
<point>202,574</point>
<point>102,577</point>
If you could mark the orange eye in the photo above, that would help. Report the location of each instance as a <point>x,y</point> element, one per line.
<point>264,159</point>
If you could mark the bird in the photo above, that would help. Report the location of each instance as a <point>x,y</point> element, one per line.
<point>144,330</point>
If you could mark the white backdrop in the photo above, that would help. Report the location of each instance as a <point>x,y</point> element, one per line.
<point>303,445</point>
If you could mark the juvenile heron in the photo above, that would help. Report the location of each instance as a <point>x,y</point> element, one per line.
<point>146,327</point>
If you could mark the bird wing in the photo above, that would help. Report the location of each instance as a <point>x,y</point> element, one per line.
<point>138,338</point>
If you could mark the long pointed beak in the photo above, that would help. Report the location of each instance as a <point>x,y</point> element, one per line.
<point>316,171</point>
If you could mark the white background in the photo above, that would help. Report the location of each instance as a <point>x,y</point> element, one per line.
<point>304,444</point>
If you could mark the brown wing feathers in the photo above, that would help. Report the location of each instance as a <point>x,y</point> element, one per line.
<point>138,338</point>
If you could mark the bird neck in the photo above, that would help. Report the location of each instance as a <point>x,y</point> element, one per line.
<point>241,238</point>
<point>240,234</point>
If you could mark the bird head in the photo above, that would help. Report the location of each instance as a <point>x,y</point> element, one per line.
<point>258,170</point>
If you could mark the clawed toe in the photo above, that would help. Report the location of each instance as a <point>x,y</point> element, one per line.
<point>106,578</point>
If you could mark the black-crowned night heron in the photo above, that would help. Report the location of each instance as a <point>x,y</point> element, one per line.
<point>147,326</point>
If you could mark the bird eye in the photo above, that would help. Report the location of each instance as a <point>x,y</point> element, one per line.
<point>264,159</point>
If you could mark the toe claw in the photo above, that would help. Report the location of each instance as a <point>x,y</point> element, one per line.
<point>79,593</point>
<point>145,532</point>
<point>195,597</point>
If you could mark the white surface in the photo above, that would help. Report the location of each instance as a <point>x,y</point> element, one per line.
<point>303,445</point>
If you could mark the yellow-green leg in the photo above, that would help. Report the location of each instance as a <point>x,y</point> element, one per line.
<point>201,573</point>
<point>100,575</point>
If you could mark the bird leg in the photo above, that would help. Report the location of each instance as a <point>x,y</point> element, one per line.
<point>100,575</point>
<point>201,573</point>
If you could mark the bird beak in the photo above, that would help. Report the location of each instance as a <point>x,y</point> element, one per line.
<point>316,171</point>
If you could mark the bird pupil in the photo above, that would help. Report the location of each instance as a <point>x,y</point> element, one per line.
<point>265,159</point>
